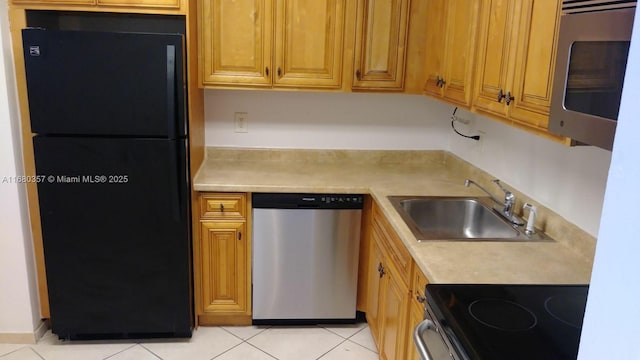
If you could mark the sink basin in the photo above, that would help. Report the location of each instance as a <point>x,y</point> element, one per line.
<point>456,218</point>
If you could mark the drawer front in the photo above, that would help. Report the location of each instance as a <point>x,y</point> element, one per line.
<point>396,248</point>
<point>219,205</point>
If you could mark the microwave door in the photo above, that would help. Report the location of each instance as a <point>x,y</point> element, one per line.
<point>589,75</point>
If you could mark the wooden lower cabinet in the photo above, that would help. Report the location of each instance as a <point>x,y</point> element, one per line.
<point>225,263</point>
<point>388,293</point>
<point>395,293</point>
<point>224,267</point>
<point>416,310</point>
<point>393,330</point>
<point>416,314</point>
<point>374,289</point>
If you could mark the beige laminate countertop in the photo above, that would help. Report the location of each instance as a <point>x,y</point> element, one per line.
<point>380,174</point>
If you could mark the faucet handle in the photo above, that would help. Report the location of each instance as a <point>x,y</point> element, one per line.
<point>506,191</point>
<point>509,202</point>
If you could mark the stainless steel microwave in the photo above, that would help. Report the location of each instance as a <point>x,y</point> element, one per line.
<point>593,47</point>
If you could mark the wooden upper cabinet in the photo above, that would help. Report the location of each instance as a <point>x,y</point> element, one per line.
<point>451,28</point>
<point>272,43</point>
<point>459,45</point>
<point>434,46</point>
<point>236,42</point>
<point>381,40</point>
<point>309,43</point>
<point>498,35</point>
<point>516,59</point>
<point>535,62</point>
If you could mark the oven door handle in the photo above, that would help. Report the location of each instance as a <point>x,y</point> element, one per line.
<point>424,326</point>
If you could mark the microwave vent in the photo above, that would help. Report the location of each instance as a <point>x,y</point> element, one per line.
<point>581,6</point>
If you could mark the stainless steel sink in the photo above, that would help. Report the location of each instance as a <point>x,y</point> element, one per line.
<point>457,218</point>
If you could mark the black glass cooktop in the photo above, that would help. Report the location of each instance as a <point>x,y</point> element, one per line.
<point>537,322</point>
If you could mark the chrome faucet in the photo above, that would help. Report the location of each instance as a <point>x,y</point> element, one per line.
<point>509,201</point>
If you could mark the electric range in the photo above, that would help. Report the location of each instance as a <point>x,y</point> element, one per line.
<point>541,322</point>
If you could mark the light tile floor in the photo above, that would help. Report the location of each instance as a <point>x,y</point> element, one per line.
<point>326,342</point>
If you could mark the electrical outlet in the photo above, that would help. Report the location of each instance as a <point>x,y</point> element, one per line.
<point>480,142</point>
<point>241,122</point>
<point>461,119</point>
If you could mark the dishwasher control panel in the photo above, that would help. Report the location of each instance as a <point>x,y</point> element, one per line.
<point>307,201</point>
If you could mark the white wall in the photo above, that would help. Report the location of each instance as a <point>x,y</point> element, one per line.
<point>570,181</point>
<point>18,293</point>
<point>610,329</point>
<point>314,120</point>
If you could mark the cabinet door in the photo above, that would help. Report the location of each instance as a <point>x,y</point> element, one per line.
<point>381,41</point>
<point>535,62</point>
<point>235,42</point>
<point>393,329</point>
<point>459,50</point>
<point>416,309</point>
<point>434,45</point>
<point>493,68</point>
<point>224,267</point>
<point>309,43</point>
<point>373,289</point>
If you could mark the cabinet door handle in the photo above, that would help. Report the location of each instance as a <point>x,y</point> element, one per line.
<point>239,235</point>
<point>501,95</point>
<point>358,74</point>
<point>508,98</point>
<point>381,270</point>
<point>266,70</point>
<point>442,82</point>
<point>279,72</point>
<point>221,207</point>
<point>421,299</point>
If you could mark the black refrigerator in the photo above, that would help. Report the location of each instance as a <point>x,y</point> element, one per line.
<point>111,155</point>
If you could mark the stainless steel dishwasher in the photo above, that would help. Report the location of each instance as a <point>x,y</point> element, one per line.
<point>305,257</point>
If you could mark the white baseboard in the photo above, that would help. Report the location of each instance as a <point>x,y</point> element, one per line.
<point>24,337</point>
<point>41,329</point>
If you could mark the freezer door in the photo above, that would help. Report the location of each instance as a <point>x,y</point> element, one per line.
<point>100,83</point>
<point>115,226</point>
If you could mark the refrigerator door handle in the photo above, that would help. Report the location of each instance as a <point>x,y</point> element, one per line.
<point>171,90</point>
<point>175,177</point>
